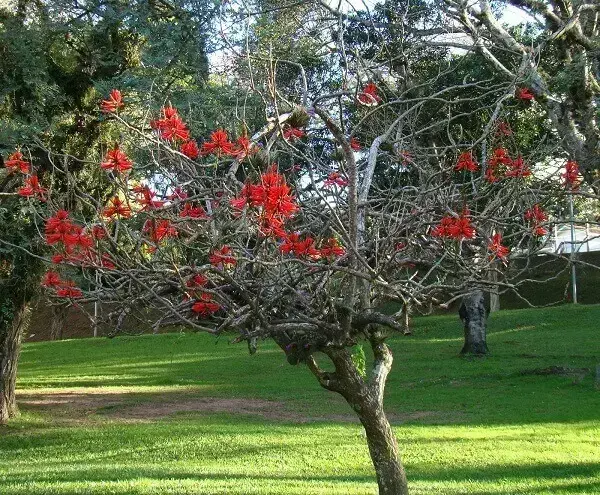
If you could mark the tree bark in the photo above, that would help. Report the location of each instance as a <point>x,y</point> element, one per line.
<point>494,294</point>
<point>365,396</point>
<point>59,317</point>
<point>10,347</point>
<point>383,447</point>
<point>472,312</point>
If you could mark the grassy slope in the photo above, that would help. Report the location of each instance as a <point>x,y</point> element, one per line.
<point>465,426</point>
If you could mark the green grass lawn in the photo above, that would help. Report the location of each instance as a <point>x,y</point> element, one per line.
<point>185,414</point>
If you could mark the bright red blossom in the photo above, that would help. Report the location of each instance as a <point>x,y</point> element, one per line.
<point>335,178</point>
<point>117,161</point>
<point>536,216</point>
<point>517,168</point>
<point>171,127</point>
<point>331,248</point>
<point>222,257</point>
<point>159,229</point>
<point>117,208</point>
<point>466,162</point>
<point>32,188</point>
<point>205,306</point>
<point>113,103</point>
<point>243,148</point>
<point>51,279</point>
<point>191,211</point>
<point>302,248</point>
<point>369,95</point>
<point>455,227</point>
<point>146,198</point>
<point>218,145</point>
<point>524,94</point>
<point>354,144</point>
<point>15,163</point>
<point>190,149</point>
<point>497,249</point>
<point>571,175</point>
<point>292,133</point>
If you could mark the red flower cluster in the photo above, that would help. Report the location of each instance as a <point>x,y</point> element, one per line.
<point>205,306</point>
<point>466,162</point>
<point>32,188</point>
<point>524,94</point>
<point>331,248</point>
<point>501,163</point>
<point>146,198</point>
<point>118,208</point>
<point>536,216</point>
<point>171,127</point>
<point>116,160</point>
<point>191,211</point>
<point>354,144</point>
<point>335,178</point>
<point>292,133</point>
<point>455,227</point>
<point>243,148</point>
<point>497,249</point>
<point>63,288</point>
<point>218,145</point>
<point>369,96</point>
<point>222,257</point>
<point>61,230</point>
<point>571,175</point>
<point>15,163</point>
<point>159,229</point>
<point>274,200</point>
<point>114,102</point>
<point>302,248</point>
<point>190,149</point>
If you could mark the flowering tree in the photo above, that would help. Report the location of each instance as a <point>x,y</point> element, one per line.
<point>223,238</point>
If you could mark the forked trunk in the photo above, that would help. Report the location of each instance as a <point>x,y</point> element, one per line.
<point>383,448</point>
<point>59,319</point>
<point>10,346</point>
<point>472,312</point>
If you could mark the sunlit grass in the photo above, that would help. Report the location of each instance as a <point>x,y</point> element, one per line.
<point>465,426</point>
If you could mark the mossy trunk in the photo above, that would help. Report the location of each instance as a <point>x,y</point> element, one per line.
<point>472,312</point>
<point>10,346</point>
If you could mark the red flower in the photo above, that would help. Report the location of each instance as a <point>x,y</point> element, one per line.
<point>171,126</point>
<point>116,161</point>
<point>335,178</point>
<point>301,248</point>
<point>118,208</point>
<point>113,103</point>
<point>222,257</point>
<point>205,306</point>
<point>146,198</point>
<point>106,262</point>
<point>536,216</point>
<point>331,248</point>
<point>98,232</point>
<point>497,249</point>
<point>455,227</point>
<point>178,193</point>
<point>219,144</point>
<point>159,229</point>
<point>369,95</point>
<point>524,94</point>
<point>52,279</point>
<point>69,290</point>
<point>571,175</point>
<point>15,163</point>
<point>32,188</point>
<point>198,280</point>
<point>517,168</point>
<point>191,211</point>
<point>190,149</point>
<point>466,162</point>
<point>499,160</point>
<point>354,144</point>
<point>243,148</point>
<point>292,133</point>
<point>57,258</point>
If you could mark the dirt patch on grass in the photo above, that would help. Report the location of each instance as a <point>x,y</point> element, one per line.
<point>97,406</point>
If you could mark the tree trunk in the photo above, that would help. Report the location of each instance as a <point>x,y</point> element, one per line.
<point>365,396</point>
<point>472,312</point>
<point>494,295</point>
<point>59,317</point>
<point>10,347</point>
<point>383,448</point>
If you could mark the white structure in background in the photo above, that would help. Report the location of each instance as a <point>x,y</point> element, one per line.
<point>586,239</point>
